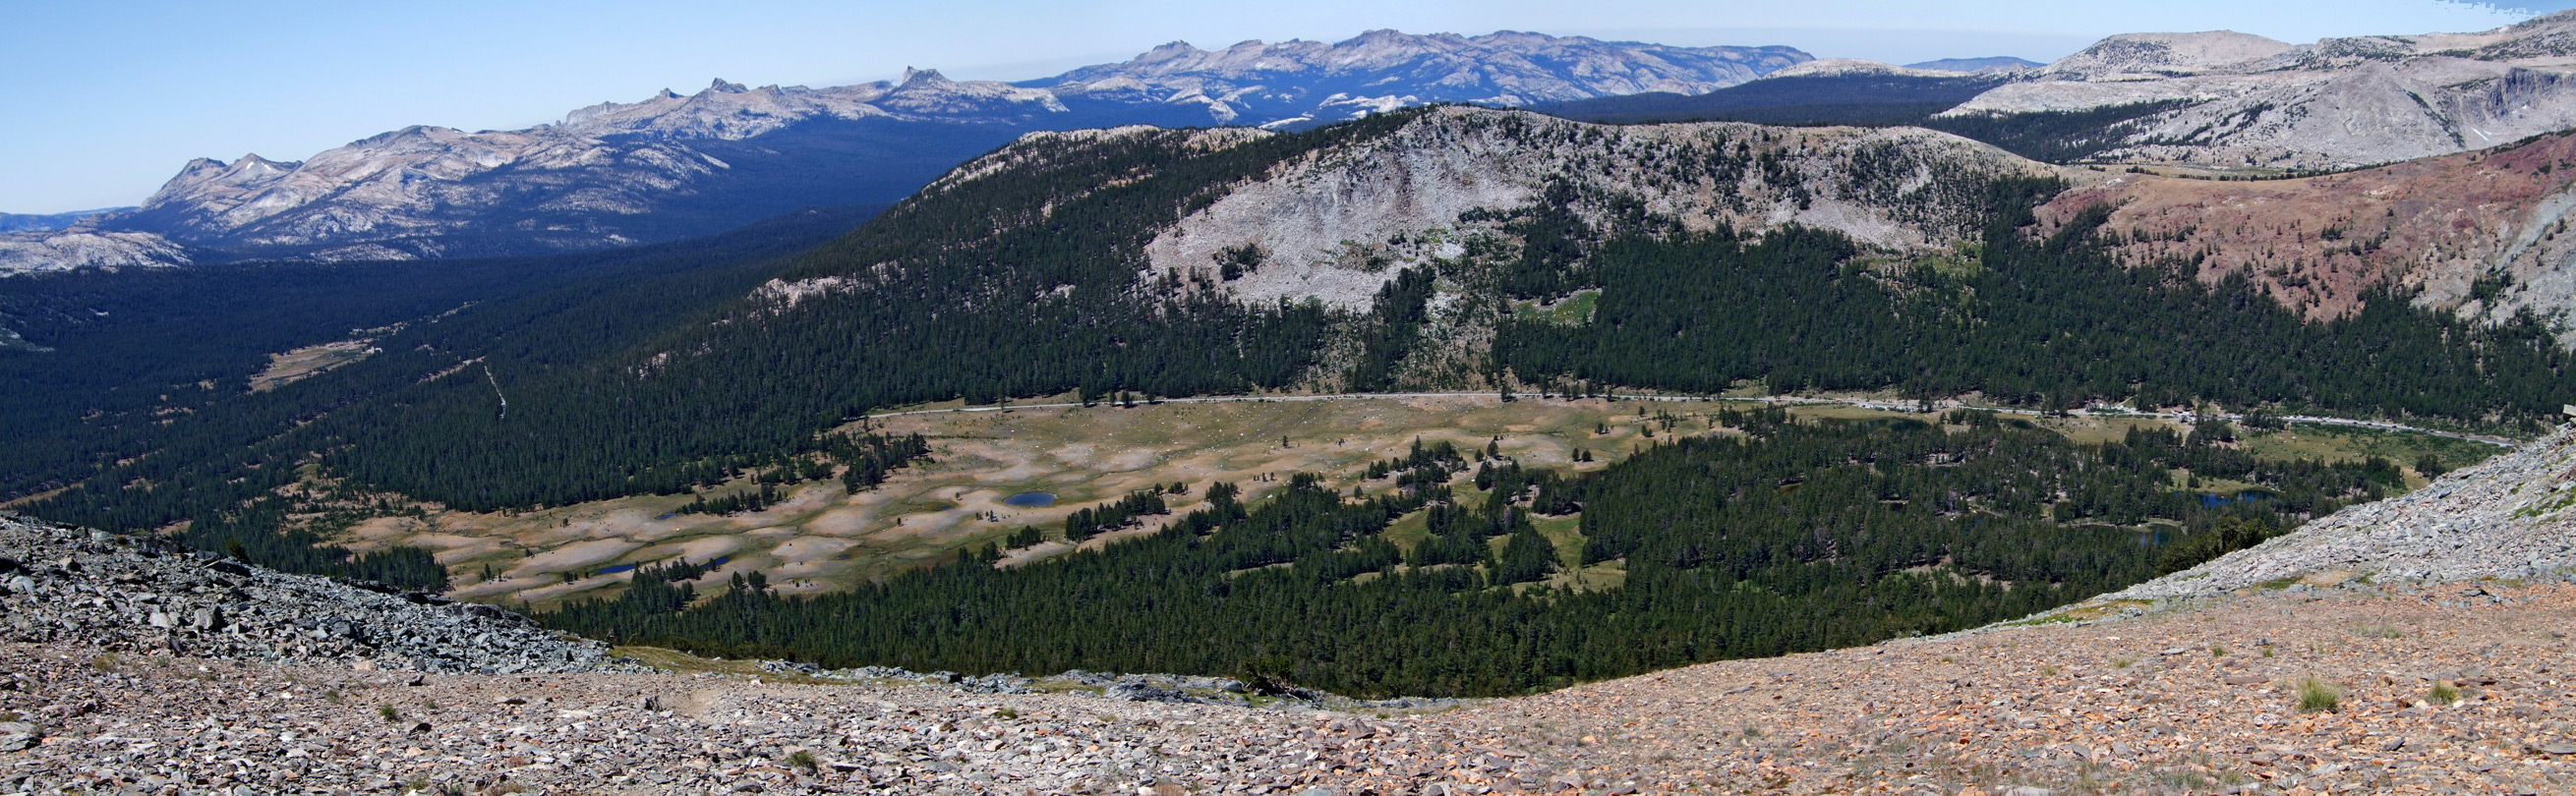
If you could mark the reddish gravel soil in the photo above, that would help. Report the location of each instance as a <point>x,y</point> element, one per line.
<point>2204,699</point>
<point>2318,244</point>
<point>2197,697</point>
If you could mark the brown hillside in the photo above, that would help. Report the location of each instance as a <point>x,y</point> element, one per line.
<point>2316,243</point>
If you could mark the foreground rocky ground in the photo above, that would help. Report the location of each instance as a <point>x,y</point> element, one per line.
<point>2202,697</point>
<point>123,593</point>
<point>130,668</point>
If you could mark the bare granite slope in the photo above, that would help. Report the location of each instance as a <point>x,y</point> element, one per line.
<point>1338,224</point>
<point>2250,103</point>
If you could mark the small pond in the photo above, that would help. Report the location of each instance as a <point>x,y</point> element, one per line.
<point>2212,499</point>
<point>1030,499</point>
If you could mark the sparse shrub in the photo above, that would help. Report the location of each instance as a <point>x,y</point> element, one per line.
<point>332,696</point>
<point>2267,652</point>
<point>388,713</point>
<point>1266,674</point>
<point>2124,662</point>
<point>2443,694</point>
<point>2315,696</point>
<point>2217,651</point>
<point>1752,732</point>
<point>805,760</point>
<point>105,662</point>
<point>1006,713</point>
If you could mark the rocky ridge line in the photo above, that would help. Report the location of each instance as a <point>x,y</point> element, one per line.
<point>1172,688</point>
<point>596,178</point>
<point>1339,224</point>
<point>130,594</point>
<point>2248,103</point>
<point>2503,518</point>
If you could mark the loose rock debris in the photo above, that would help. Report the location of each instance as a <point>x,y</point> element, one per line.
<point>2057,708</point>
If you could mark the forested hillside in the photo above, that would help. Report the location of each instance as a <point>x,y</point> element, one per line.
<point>1678,259</point>
<point>135,411</point>
<point>1861,98</point>
<point>2052,322</point>
<point>1786,537</point>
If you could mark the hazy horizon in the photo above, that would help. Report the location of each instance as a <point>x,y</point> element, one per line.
<point>124,94</point>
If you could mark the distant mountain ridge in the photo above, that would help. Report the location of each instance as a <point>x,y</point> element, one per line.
<point>1840,91</point>
<point>2233,101</point>
<point>41,222</point>
<point>1998,63</point>
<point>677,165</point>
<point>1508,68</point>
<point>2216,101</point>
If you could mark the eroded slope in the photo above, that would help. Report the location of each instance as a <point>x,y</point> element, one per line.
<point>2484,233</point>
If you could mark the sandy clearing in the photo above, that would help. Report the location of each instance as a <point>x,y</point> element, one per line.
<point>453,549</point>
<point>576,555</point>
<point>811,548</point>
<point>705,549</point>
<point>847,521</point>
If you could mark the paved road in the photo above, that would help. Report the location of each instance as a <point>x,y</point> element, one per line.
<point>1863,403</point>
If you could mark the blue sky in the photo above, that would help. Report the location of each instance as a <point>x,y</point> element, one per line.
<point>108,99</point>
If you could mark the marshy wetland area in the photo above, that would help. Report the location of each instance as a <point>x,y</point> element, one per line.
<point>819,537</point>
